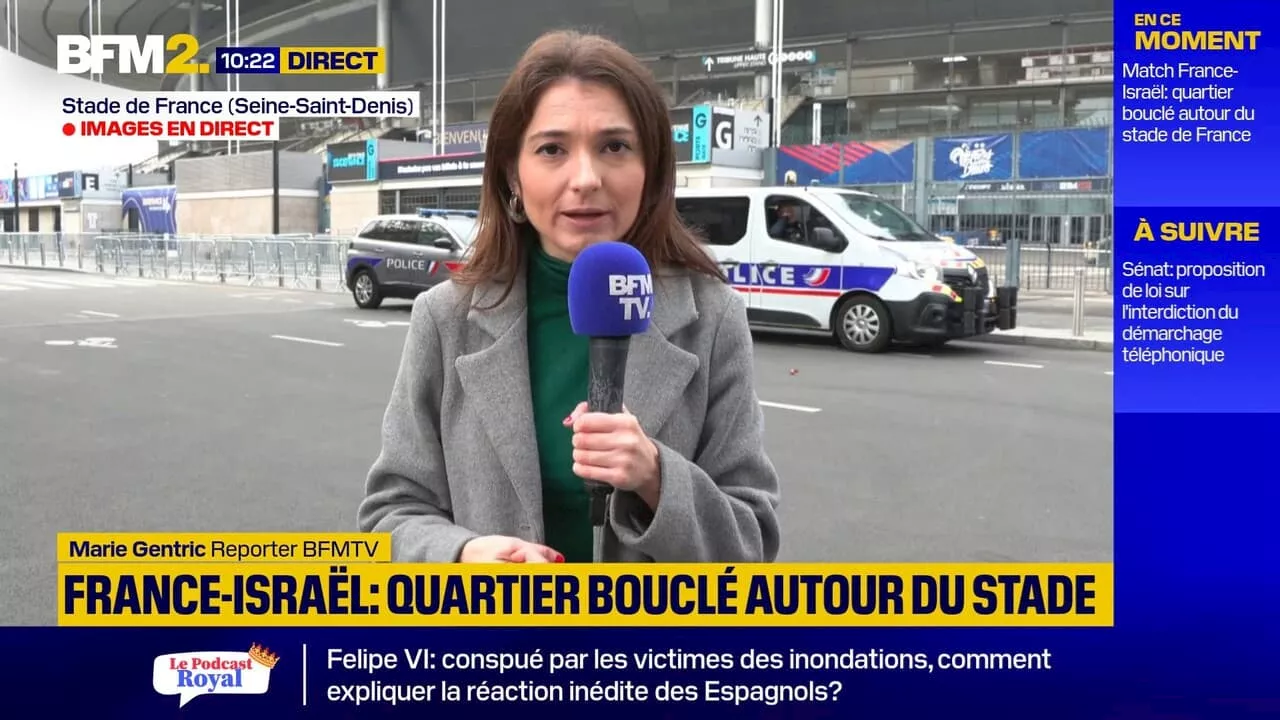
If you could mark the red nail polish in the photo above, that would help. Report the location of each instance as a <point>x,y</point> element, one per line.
<point>559,558</point>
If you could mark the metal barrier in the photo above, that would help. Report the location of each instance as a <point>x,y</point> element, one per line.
<point>284,261</point>
<point>1048,267</point>
<point>318,262</point>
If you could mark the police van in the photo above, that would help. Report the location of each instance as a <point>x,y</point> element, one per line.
<point>845,262</point>
<point>400,256</point>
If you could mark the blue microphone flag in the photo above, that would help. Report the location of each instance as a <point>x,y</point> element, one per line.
<point>610,291</point>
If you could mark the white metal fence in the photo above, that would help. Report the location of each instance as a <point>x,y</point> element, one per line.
<point>1049,267</point>
<point>314,262</point>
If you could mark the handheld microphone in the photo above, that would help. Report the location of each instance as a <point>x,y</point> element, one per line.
<point>610,299</point>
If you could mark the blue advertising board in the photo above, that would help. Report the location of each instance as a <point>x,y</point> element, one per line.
<point>1065,153</point>
<point>973,158</point>
<point>873,162</point>
<point>156,208</point>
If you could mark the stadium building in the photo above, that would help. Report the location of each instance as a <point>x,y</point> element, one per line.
<point>988,119</point>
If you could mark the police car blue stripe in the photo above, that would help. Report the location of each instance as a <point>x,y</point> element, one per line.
<point>373,261</point>
<point>808,277</point>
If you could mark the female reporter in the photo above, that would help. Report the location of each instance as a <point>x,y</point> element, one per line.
<point>486,441</point>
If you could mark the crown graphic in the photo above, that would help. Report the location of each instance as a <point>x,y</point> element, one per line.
<point>264,656</point>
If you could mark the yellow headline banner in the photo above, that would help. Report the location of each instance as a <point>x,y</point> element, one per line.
<point>755,595</point>
<point>224,547</point>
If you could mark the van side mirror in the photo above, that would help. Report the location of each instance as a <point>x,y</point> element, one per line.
<point>825,239</point>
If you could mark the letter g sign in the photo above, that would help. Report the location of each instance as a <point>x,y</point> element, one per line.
<point>724,134</point>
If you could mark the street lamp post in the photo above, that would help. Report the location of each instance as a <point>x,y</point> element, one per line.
<point>444,78</point>
<point>776,68</point>
<point>16,200</point>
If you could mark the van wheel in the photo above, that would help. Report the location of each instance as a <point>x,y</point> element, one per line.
<point>862,324</point>
<point>365,291</point>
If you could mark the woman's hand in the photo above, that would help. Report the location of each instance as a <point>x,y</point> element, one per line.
<point>503,549</point>
<point>613,449</point>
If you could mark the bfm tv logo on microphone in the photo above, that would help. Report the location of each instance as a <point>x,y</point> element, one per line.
<point>635,295</point>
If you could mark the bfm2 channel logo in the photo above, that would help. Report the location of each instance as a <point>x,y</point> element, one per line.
<point>213,672</point>
<point>146,55</point>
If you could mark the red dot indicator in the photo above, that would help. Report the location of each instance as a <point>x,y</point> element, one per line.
<point>68,129</point>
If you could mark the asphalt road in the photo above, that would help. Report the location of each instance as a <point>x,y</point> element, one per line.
<point>137,406</point>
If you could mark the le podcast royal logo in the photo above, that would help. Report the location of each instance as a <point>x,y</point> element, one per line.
<point>213,672</point>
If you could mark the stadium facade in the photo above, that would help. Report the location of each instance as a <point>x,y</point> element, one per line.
<point>991,118</point>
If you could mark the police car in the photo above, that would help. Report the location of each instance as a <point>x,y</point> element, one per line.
<point>400,256</point>
<point>845,262</point>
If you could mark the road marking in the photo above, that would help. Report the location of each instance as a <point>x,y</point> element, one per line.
<point>1033,366</point>
<point>99,314</point>
<point>785,406</point>
<point>42,285</point>
<point>11,288</point>
<point>378,323</point>
<point>326,304</point>
<point>290,338</point>
<point>294,301</point>
<point>98,342</point>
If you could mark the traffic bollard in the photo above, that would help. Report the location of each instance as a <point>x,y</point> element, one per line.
<point>1077,305</point>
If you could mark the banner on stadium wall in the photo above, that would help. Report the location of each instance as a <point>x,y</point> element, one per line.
<point>157,208</point>
<point>973,158</point>
<point>468,137</point>
<point>35,188</point>
<point>1070,153</point>
<point>460,165</point>
<point>876,162</point>
<point>1060,185</point>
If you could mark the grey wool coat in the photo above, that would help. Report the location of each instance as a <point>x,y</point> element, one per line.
<point>459,458</point>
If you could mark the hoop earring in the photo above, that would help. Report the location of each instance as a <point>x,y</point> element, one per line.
<point>515,210</point>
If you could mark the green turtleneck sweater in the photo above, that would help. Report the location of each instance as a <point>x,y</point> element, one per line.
<point>558,364</point>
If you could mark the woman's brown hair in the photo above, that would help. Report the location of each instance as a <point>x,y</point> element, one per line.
<point>658,232</point>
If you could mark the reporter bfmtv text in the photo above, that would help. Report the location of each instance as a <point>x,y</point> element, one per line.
<point>214,115</point>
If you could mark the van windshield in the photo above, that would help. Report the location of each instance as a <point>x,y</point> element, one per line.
<point>880,219</point>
